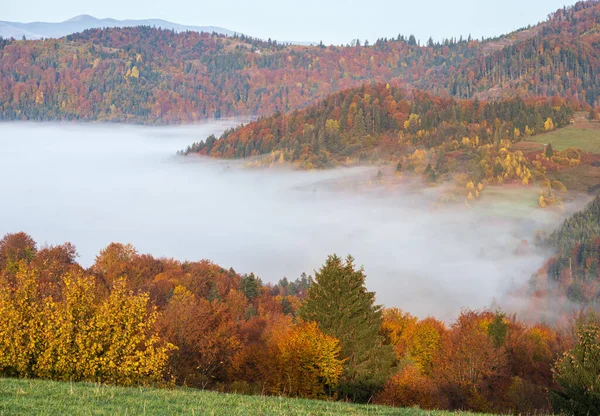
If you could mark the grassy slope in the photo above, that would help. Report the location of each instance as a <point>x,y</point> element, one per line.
<point>18,396</point>
<point>584,135</point>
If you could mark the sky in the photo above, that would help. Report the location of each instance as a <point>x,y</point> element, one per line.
<point>333,22</point>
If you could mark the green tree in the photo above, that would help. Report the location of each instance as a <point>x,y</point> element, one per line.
<point>577,374</point>
<point>549,151</point>
<point>498,329</point>
<point>251,286</point>
<point>339,302</point>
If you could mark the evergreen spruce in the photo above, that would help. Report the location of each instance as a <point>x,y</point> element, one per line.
<point>340,303</point>
<point>549,151</point>
<point>577,374</point>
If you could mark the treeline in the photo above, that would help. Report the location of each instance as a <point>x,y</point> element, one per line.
<point>149,75</point>
<point>558,57</point>
<point>134,319</point>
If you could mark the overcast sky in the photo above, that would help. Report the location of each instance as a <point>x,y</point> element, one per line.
<point>309,20</point>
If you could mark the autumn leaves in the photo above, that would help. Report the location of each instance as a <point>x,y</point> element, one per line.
<point>132,319</point>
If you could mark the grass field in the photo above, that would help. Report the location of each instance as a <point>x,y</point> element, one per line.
<point>18,396</point>
<point>584,135</point>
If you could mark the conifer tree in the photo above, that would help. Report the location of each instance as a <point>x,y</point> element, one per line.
<point>577,374</point>
<point>339,302</point>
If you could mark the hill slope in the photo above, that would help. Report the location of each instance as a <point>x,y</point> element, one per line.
<point>150,75</point>
<point>18,396</point>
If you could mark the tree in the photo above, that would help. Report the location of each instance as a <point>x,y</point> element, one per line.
<point>14,248</point>
<point>549,152</point>
<point>204,334</point>
<point>469,367</point>
<point>251,286</point>
<point>114,262</point>
<point>411,388</point>
<point>122,345</point>
<point>20,325</point>
<point>308,363</point>
<point>593,114</point>
<point>421,343</point>
<point>577,374</point>
<point>343,308</point>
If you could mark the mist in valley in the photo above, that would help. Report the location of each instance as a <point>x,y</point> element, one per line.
<point>96,184</point>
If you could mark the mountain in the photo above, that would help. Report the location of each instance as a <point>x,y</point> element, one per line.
<point>39,30</point>
<point>150,75</point>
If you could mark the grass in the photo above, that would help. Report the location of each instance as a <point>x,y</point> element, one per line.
<point>583,135</point>
<point>40,397</point>
<point>580,178</point>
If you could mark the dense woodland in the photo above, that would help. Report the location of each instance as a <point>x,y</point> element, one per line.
<point>469,142</point>
<point>558,57</point>
<point>150,75</point>
<point>134,319</point>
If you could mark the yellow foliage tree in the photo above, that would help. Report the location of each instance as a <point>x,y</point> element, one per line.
<point>307,362</point>
<point>413,123</point>
<point>395,322</point>
<point>65,327</point>
<point>20,323</point>
<point>422,342</point>
<point>81,335</point>
<point>122,346</point>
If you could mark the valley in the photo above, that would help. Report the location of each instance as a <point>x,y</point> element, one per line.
<point>390,226</point>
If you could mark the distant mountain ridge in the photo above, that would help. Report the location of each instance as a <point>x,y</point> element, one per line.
<point>48,30</point>
<point>38,30</point>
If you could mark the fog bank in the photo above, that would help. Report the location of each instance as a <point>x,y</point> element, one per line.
<point>95,184</point>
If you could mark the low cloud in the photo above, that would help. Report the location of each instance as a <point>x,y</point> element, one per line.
<point>94,184</point>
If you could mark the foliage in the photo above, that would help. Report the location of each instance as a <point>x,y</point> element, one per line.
<point>578,373</point>
<point>308,363</point>
<point>15,248</point>
<point>583,226</point>
<point>134,319</point>
<point>484,361</point>
<point>409,387</point>
<point>81,336</point>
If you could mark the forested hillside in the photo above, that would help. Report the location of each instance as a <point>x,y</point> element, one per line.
<point>558,57</point>
<point>154,76</point>
<point>573,273</point>
<point>470,142</point>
